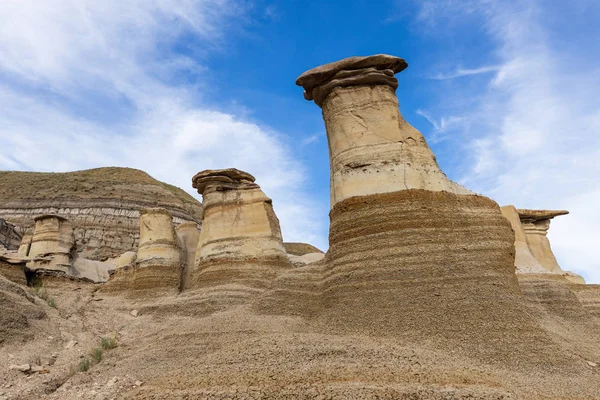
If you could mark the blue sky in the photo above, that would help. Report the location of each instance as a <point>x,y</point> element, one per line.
<point>505,92</point>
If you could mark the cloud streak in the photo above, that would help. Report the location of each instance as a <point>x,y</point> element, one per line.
<point>533,139</point>
<point>87,84</point>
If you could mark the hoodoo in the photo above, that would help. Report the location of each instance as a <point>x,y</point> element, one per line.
<point>372,149</point>
<point>240,241</point>
<point>412,254</point>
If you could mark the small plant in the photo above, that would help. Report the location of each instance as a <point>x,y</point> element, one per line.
<point>51,302</point>
<point>108,343</point>
<point>84,364</point>
<point>97,354</point>
<point>38,289</point>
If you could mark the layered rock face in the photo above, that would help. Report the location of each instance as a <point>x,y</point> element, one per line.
<point>372,149</point>
<point>240,242</point>
<point>563,311</point>
<point>52,244</point>
<point>10,239</point>
<point>411,254</point>
<point>101,204</point>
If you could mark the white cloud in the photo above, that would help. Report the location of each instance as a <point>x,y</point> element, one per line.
<point>87,84</point>
<point>538,121</point>
<point>460,72</point>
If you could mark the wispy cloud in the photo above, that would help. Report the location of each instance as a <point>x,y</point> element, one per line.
<point>460,72</point>
<point>86,84</point>
<point>443,125</point>
<point>536,122</point>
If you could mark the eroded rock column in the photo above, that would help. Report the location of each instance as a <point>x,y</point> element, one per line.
<point>535,225</point>
<point>51,244</point>
<point>240,241</point>
<point>372,149</point>
<point>412,254</point>
<point>158,262</point>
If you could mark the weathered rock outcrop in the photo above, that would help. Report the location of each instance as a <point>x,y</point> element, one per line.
<point>546,286</point>
<point>372,149</point>
<point>10,239</point>
<point>18,310</point>
<point>157,267</point>
<point>52,244</point>
<point>188,235</point>
<point>300,249</point>
<point>411,254</point>
<point>240,242</point>
<point>536,224</point>
<point>525,261</point>
<point>101,204</point>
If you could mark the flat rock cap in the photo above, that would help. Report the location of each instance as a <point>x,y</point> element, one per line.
<point>49,216</point>
<point>321,74</point>
<point>539,214</point>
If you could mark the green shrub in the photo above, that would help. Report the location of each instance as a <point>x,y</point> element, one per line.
<point>108,343</point>
<point>84,364</point>
<point>97,354</point>
<point>51,302</point>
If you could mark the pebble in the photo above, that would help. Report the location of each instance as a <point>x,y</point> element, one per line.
<point>135,313</point>
<point>138,383</point>
<point>22,367</point>
<point>71,344</point>
<point>112,382</point>
<point>592,364</point>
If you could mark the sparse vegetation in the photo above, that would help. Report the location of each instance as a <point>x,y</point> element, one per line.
<point>51,302</point>
<point>97,354</point>
<point>84,364</point>
<point>108,343</point>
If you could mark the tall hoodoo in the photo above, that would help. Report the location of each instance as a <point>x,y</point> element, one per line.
<point>240,240</point>
<point>411,254</point>
<point>372,149</point>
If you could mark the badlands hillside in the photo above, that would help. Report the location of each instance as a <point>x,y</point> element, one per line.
<point>116,286</point>
<point>102,204</point>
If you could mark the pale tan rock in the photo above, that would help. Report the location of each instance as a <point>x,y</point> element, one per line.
<point>52,244</point>
<point>372,149</point>
<point>240,240</point>
<point>158,262</point>
<point>25,245</point>
<point>525,262</point>
<point>91,270</point>
<point>536,224</point>
<point>125,260</point>
<point>188,235</point>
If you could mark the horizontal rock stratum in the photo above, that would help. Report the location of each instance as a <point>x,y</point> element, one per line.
<point>102,204</point>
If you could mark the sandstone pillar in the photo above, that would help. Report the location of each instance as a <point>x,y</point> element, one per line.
<point>158,262</point>
<point>240,241</point>
<point>525,261</point>
<point>412,254</point>
<point>51,244</point>
<point>535,225</point>
<point>372,149</point>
